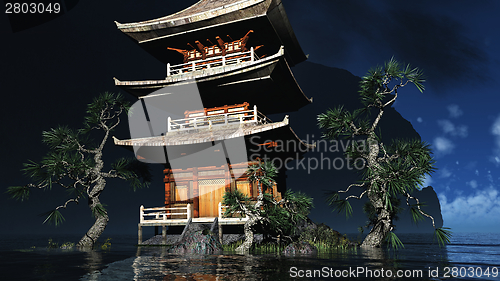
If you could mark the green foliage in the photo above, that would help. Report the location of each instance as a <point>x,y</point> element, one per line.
<point>371,212</point>
<point>298,205</point>
<point>263,173</point>
<point>99,210</point>
<point>393,241</point>
<point>376,88</point>
<point>339,205</point>
<point>269,247</point>
<point>416,214</point>
<point>276,217</point>
<point>106,245</point>
<point>232,247</point>
<point>74,162</point>
<point>376,85</point>
<point>103,108</point>
<point>279,218</point>
<point>325,239</point>
<point>283,217</point>
<point>391,171</point>
<point>67,245</point>
<point>233,201</point>
<point>52,245</point>
<point>19,192</point>
<point>53,217</point>
<point>443,235</point>
<point>137,173</point>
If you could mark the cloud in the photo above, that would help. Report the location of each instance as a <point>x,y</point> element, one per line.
<point>479,210</point>
<point>472,183</point>
<point>420,120</point>
<point>443,145</point>
<point>489,177</point>
<point>454,111</point>
<point>445,173</point>
<point>427,181</point>
<point>495,128</point>
<point>449,128</point>
<point>495,131</point>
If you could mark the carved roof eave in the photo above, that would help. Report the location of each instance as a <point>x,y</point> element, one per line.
<point>206,135</point>
<point>291,100</point>
<point>206,14</point>
<point>209,9</point>
<point>205,74</point>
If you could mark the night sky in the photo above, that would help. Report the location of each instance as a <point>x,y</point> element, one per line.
<point>50,71</point>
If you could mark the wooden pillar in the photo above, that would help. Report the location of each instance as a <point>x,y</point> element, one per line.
<point>196,194</point>
<point>228,178</point>
<point>164,234</point>
<point>220,232</point>
<point>139,232</point>
<point>167,180</point>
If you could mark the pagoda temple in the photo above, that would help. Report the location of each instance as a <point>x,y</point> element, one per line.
<point>227,68</point>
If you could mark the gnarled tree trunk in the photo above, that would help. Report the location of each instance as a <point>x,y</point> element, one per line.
<point>247,244</point>
<point>382,227</point>
<point>101,221</point>
<point>90,238</point>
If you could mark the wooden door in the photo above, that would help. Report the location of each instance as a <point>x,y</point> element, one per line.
<point>244,187</point>
<point>211,192</point>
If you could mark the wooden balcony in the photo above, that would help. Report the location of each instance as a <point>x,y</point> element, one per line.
<point>213,62</point>
<point>216,119</point>
<point>180,215</point>
<point>161,216</point>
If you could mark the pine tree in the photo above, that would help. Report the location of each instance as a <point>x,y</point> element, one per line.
<point>76,164</point>
<point>277,218</point>
<point>389,171</point>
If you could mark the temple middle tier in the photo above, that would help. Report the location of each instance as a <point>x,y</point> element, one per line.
<point>233,79</point>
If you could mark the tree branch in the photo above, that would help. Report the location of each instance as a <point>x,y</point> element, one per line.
<point>349,187</point>
<point>408,197</point>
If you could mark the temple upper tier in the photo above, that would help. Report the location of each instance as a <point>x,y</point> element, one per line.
<point>231,79</point>
<point>267,20</point>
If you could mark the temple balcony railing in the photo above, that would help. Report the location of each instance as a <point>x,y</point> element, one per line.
<point>208,121</point>
<point>150,215</point>
<point>183,213</point>
<point>218,61</point>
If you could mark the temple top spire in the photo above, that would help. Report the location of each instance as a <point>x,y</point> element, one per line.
<point>211,19</point>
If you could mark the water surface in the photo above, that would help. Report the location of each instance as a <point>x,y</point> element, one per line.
<point>469,255</point>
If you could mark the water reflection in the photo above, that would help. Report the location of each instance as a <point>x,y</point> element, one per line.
<point>93,259</point>
<point>155,263</point>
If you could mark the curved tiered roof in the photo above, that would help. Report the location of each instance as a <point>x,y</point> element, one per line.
<point>208,19</point>
<point>270,78</point>
<point>180,142</point>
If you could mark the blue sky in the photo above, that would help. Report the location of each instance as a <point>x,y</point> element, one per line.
<point>457,44</point>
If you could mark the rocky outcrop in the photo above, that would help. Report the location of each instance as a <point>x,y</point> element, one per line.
<point>198,238</point>
<point>300,248</point>
<point>306,225</point>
